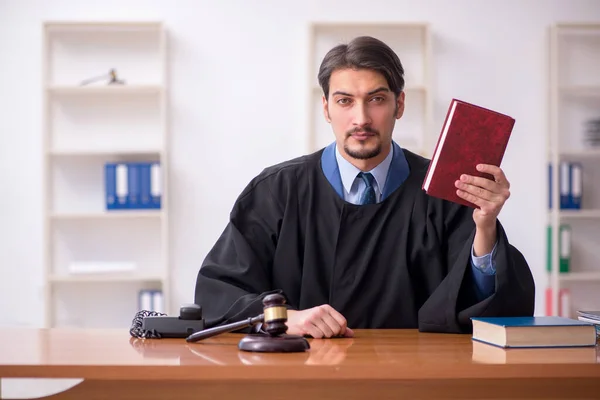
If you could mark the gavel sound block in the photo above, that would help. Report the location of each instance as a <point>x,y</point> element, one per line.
<point>275,340</point>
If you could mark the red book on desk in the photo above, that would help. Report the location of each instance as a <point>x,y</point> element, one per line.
<point>471,135</point>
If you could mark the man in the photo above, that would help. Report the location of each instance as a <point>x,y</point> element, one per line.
<point>348,236</point>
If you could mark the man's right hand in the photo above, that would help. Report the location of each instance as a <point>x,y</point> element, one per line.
<point>319,322</point>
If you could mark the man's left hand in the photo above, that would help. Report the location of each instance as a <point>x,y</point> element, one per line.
<point>489,195</point>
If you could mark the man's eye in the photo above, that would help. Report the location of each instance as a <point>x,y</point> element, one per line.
<point>343,101</point>
<point>378,99</point>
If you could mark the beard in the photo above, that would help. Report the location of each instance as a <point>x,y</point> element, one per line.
<point>362,150</point>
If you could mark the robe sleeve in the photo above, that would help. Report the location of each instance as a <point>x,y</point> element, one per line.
<point>235,275</point>
<point>454,301</point>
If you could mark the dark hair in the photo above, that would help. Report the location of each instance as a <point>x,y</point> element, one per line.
<point>363,52</point>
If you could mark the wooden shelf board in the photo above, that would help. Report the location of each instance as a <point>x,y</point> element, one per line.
<point>100,26</point>
<point>580,90</point>
<point>104,89</point>
<point>113,214</point>
<point>579,213</point>
<point>587,153</point>
<point>105,277</point>
<point>325,25</point>
<point>104,152</point>
<point>579,276</point>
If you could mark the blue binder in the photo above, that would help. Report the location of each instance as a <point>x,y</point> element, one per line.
<point>575,185</point>
<point>132,185</point>
<point>565,184</point>
<point>110,186</point>
<point>116,184</point>
<point>155,185</point>
<point>133,172</point>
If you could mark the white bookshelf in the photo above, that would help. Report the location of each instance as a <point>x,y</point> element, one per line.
<point>574,99</point>
<point>86,126</point>
<point>412,43</point>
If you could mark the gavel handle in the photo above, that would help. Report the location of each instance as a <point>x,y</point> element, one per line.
<point>217,330</point>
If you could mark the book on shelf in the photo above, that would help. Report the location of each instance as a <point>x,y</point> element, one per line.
<point>564,302</point>
<point>470,135</point>
<point>564,248</point>
<point>132,185</point>
<point>532,332</point>
<point>570,183</point>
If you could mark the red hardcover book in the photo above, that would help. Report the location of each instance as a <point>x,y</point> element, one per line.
<point>470,135</point>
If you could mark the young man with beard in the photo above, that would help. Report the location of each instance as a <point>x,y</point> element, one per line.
<point>348,236</point>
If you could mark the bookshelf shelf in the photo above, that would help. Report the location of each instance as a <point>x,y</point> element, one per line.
<point>103,26</point>
<point>580,90</point>
<point>115,90</point>
<point>577,154</point>
<point>412,43</point>
<point>580,276</point>
<point>87,127</point>
<point>584,214</point>
<point>106,278</point>
<point>116,214</point>
<point>572,253</point>
<point>104,152</point>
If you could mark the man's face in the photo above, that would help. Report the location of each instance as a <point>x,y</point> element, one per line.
<point>362,111</point>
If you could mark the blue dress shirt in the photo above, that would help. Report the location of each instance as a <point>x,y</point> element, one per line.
<point>395,168</point>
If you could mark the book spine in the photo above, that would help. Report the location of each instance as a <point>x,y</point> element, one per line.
<point>122,186</point>
<point>110,186</point>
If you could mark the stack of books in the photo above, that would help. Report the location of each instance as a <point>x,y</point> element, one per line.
<point>592,132</point>
<point>531,332</point>
<point>592,317</point>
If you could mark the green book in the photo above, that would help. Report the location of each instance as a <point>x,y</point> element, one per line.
<point>564,245</point>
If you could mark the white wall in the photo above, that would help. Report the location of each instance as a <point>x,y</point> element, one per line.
<point>238,105</point>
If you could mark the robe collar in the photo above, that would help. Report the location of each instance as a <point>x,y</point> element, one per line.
<point>396,175</point>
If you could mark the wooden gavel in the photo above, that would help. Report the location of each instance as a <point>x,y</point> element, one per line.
<point>274,320</point>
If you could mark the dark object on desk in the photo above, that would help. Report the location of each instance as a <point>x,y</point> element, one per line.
<point>275,340</point>
<point>158,325</point>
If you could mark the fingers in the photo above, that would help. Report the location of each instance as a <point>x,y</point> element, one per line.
<point>339,321</point>
<point>319,322</point>
<point>496,171</point>
<point>339,318</point>
<point>472,198</point>
<point>324,329</point>
<point>329,321</point>
<point>485,193</point>
<point>311,328</point>
<point>476,191</point>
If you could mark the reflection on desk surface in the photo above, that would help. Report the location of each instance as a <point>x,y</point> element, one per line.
<point>368,348</point>
<point>488,354</point>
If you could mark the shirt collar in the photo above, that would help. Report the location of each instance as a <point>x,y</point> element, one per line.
<point>348,171</point>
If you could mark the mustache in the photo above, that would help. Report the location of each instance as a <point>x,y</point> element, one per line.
<point>367,129</point>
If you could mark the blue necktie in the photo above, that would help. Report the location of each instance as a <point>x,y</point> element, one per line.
<point>368,196</point>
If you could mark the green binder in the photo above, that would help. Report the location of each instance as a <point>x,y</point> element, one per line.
<point>564,246</point>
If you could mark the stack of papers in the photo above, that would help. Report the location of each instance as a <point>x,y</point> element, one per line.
<point>593,317</point>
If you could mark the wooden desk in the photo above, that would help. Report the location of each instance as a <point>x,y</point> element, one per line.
<point>375,365</point>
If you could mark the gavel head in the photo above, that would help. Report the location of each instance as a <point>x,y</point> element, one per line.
<point>275,313</point>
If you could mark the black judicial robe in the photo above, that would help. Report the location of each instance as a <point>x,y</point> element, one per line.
<point>401,263</point>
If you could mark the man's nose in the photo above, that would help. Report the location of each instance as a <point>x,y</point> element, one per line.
<point>361,115</point>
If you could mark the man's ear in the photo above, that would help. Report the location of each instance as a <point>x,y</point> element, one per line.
<point>400,105</point>
<point>325,108</point>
